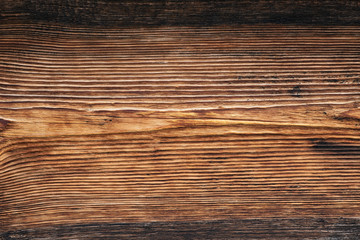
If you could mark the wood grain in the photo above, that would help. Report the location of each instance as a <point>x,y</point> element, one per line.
<point>231,229</point>
<point>176,130</point>
<point>185,12</point>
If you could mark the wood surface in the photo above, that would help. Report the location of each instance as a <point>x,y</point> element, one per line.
<point>179,119</point>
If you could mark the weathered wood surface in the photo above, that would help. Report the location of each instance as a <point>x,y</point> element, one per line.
<point>188,132</point>
<point>313,228</point>
<point>185,12</point>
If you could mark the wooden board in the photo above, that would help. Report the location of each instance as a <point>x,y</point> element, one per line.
<point>119,127</point>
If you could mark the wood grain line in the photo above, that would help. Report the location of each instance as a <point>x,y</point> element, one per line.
<point>162,125</point>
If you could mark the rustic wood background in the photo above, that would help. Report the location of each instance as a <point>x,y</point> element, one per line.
<point>167,119</point>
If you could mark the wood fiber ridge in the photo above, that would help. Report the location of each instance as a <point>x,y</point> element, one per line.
<point>145,126</point>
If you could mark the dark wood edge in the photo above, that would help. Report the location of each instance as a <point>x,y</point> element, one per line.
<point>186,12</point>
<point>309,228</point>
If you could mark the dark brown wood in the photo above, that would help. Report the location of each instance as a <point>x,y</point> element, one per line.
<point>179,120</point>
<point>311,228</point>
<point>186,12</point>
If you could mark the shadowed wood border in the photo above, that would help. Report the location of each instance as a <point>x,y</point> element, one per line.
<point>186,12</point>
<point>308,228</point>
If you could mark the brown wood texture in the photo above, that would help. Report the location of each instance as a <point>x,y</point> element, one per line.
<point>172,130</point>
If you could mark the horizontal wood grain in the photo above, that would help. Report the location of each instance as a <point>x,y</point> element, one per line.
<point>178,68</point>
<point>184,12</point>
<point>310,228</point>
<point>177,124</point>
<point>179,119</point>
